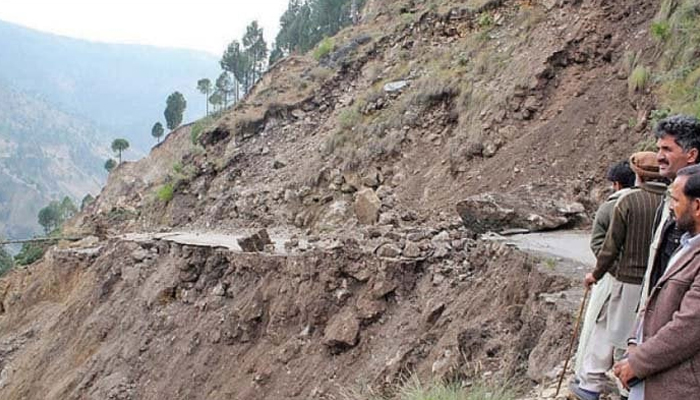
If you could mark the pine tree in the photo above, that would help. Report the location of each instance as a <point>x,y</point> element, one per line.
<point>204,86</point>
<point>110,164</point>
<point>118,146</point>
<point>157,131</point>
<point>224,86</point>
<point>235,62</point>
<point>175,108</point>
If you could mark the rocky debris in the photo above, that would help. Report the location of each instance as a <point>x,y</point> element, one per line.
<point>521,209</point>
<point>388,250</point>
<point>258,241</point>
<point>342,332</point>
<point>342,55</point>
<point>367,206</point>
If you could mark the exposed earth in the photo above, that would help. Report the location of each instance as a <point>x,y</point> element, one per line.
<point>385,174</point>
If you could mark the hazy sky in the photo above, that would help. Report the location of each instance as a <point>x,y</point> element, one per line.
<point>208,25</point>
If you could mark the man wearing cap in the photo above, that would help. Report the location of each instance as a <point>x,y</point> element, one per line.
<point>624,256</point>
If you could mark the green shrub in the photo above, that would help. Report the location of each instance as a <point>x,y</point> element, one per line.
<point>199,127</point>
<point>349,118</point>
<point>485,20</point>
<point>165,193</point>
<point>177,167</point>
<point>660,31</point>
<point>658,115</point>
<point>638,79</point>
<point>323,48</point>
<point>30,253</point>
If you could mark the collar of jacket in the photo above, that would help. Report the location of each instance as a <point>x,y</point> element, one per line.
<point>692,251</point>
<point>616,195</point>
<point>654,187</point>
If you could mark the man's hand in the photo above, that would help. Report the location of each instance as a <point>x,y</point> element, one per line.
<point>623,372</point>
<point>589,280</point>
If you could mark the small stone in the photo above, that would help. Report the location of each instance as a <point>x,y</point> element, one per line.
<point>277,164</point>
<point>388,250</point>
<point>411,250</point>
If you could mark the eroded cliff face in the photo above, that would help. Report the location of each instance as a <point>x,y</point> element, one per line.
<point>493,114</point>
<point>154,319</point>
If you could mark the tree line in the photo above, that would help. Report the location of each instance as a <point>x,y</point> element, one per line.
<point>302,26</point>
<point>51,218</point>
<point>306,22</point>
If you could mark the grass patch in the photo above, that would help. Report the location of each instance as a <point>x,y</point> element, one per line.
<point>484,20</point>
<point>678,28</point>
<point>550,263</point>
<point>320,74</point>
<point>323,48</point>
<point>660,31</point>
<point>165,193</point>
<point>199,127</point>
<point>638,79</point>
<point>413,389</point>
<point>349,118</point>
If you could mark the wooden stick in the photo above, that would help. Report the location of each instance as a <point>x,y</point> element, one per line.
<point>573,339</point>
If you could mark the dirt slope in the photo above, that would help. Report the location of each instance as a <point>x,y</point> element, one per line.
<point>359,160</point>
<point>159,320</point>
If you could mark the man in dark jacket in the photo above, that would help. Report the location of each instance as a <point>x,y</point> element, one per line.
<point>666,358</point>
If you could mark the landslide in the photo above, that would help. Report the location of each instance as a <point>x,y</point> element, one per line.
<point>359,161</point>
<point>499,96</point>
<point>154,320</point>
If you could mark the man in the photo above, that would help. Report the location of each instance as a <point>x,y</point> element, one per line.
<point>678,141</point>
<point>622,178</point>
<point>624,256</point>
<point>667,356</point>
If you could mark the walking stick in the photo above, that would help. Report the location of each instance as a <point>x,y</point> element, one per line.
<point>573,339</point>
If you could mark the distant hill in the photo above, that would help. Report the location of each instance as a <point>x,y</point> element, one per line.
<point>45,154</point>
<point>122,88</point>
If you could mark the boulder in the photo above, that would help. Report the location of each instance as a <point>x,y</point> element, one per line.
<point>367,206</point>
<point>342,332</point>
<point>521,209</point>
<point>395,86</point>
<point>255,242</point>
<point>389,250</point>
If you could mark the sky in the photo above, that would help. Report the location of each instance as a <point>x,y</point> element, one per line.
<point>208,25</point>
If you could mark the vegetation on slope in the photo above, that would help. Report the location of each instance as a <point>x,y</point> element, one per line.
<point>676,29</point>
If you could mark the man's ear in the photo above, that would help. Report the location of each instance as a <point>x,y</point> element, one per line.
<point>693,156</point>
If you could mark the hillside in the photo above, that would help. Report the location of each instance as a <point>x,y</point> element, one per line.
<point>121,88</point>
<point>45,154</point>
<point>381,172</point>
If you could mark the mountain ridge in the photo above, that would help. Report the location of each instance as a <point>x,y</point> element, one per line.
<point>120,87</point>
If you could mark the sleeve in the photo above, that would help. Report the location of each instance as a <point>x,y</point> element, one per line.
<point>675,342</point>
<point>614,240</point>
<point>600,226</point>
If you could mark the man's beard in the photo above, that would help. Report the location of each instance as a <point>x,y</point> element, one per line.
<point>685,222</point>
